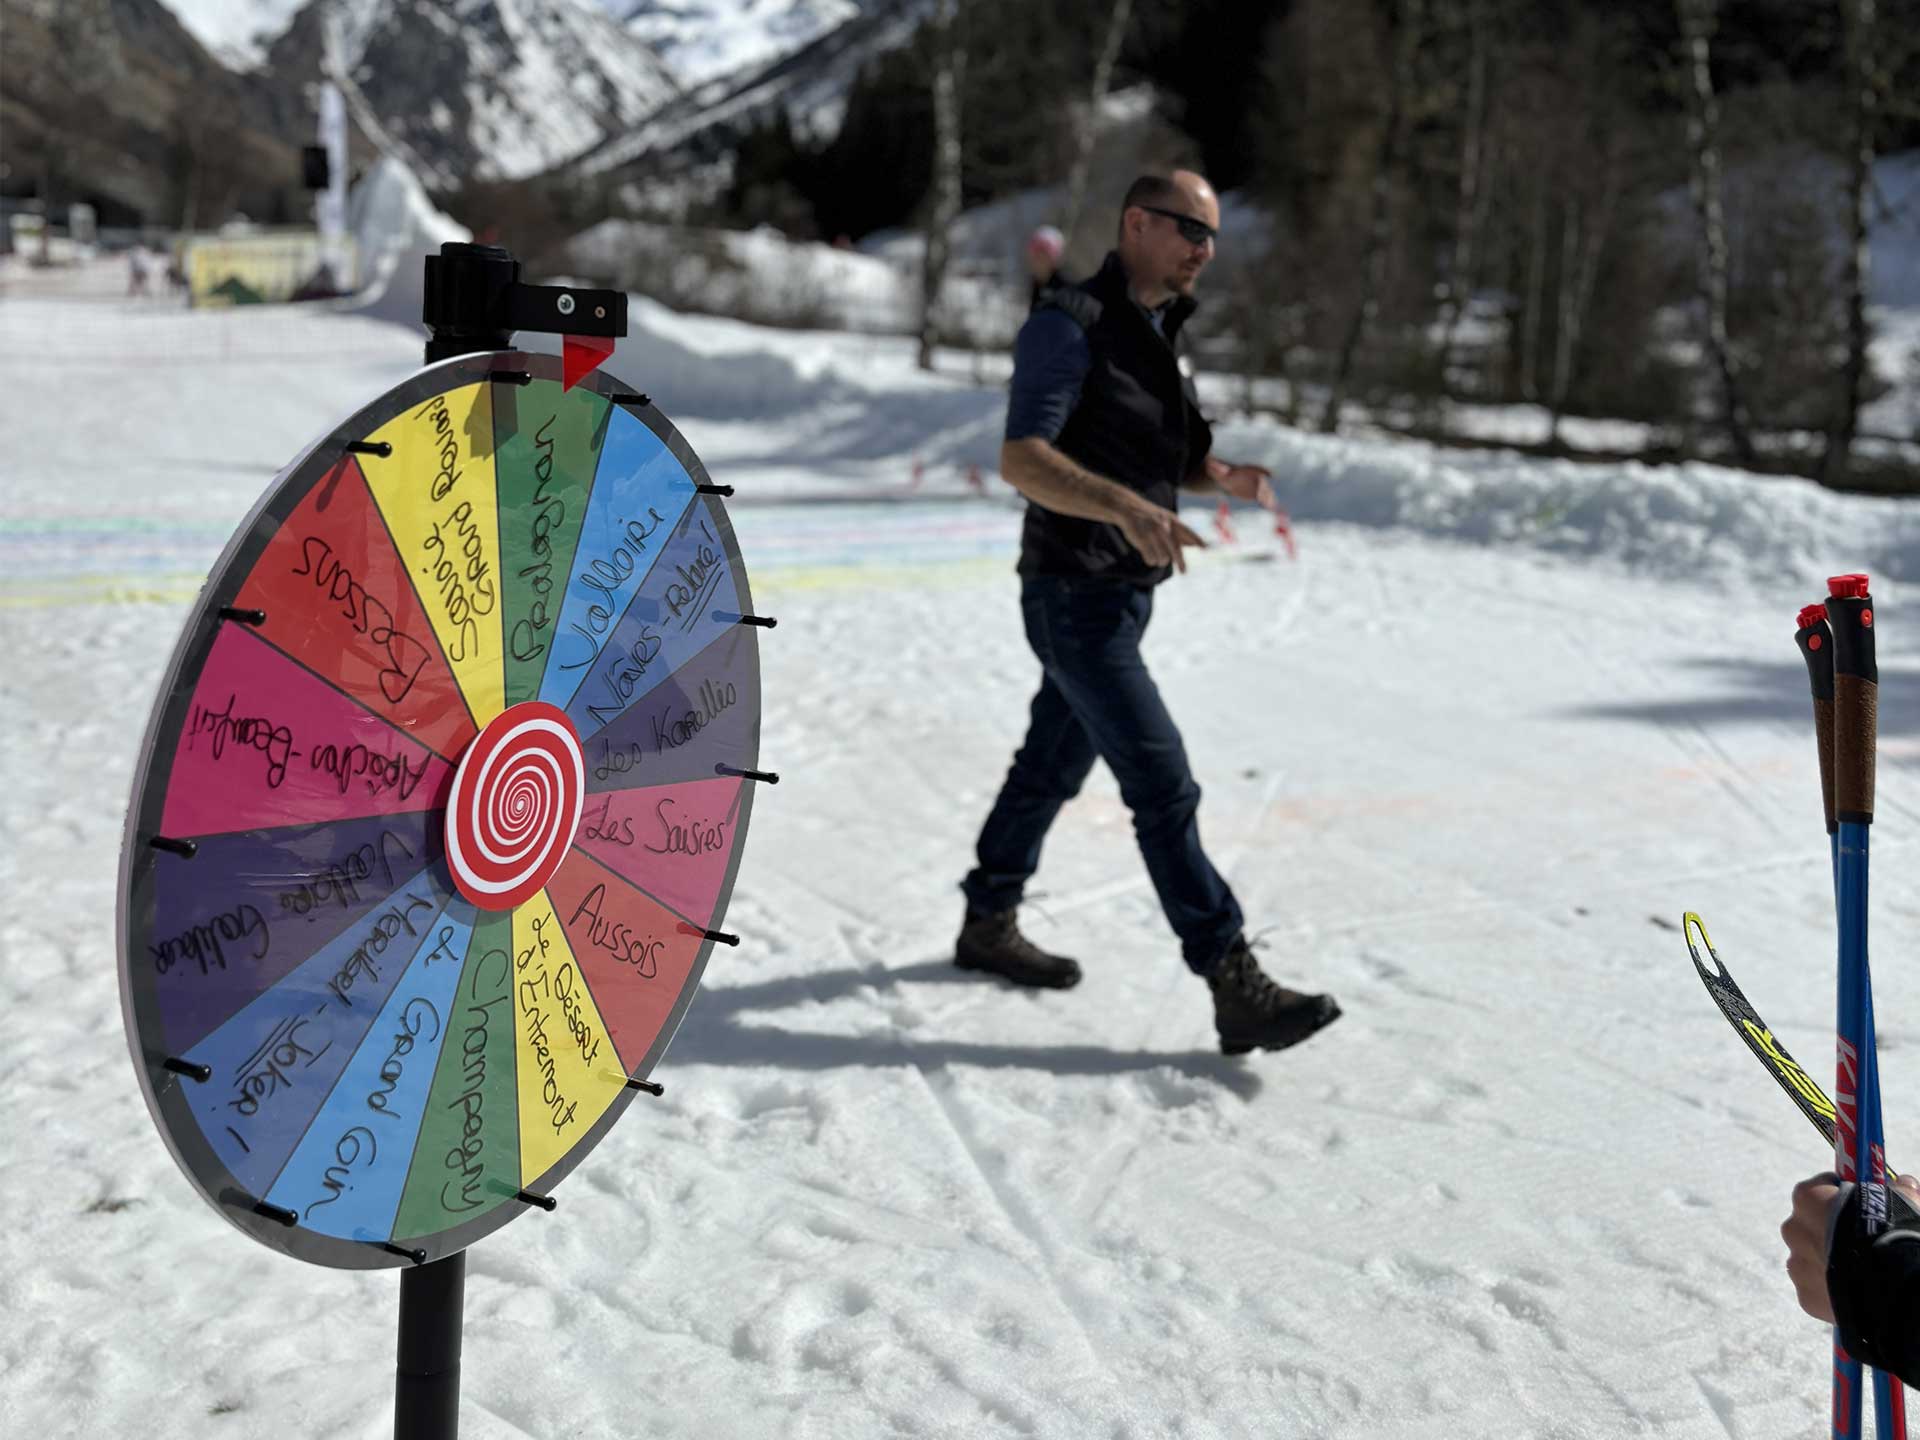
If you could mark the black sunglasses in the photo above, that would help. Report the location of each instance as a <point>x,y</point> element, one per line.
<point>1194,232</point>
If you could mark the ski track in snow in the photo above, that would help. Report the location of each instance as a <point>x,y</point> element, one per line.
<point>1527,1187</point>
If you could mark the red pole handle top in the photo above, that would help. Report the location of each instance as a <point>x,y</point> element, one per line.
<point>1847,587</point>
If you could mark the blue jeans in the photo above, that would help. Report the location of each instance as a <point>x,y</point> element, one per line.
<point>1097,701</point>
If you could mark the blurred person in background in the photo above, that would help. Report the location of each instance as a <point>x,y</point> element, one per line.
<point>1044,249</point>
<point>1103,429</point>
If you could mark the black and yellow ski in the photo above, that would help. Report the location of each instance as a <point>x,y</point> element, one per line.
<point>1801,1087</point>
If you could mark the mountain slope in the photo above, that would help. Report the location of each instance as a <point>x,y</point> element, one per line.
<point>502,89</point>
<point>707,39</point>
<point>237,32</point>
<point>811,84</point>
<point>481,89</point>
<point>114,102</point>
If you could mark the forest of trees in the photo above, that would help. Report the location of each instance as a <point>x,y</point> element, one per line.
<point>1647,209</point>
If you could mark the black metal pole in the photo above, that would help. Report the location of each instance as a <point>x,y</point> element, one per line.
<point>465,304</point>
<point>426,1398</point>
<point>473,302</point>
<point>464,283</point>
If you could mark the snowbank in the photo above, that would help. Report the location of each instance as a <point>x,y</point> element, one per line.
<point>760,275</point>
<point>394,228</point>
<point>1701,520</point>
<point>845,402</point>
<point>1672,521</point>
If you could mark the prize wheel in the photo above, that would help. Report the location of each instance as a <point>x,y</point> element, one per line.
<point>438,812</point>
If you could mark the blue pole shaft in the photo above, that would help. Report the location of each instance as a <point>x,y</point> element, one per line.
<point>1858,1073</point>
<point>1846,1418</point>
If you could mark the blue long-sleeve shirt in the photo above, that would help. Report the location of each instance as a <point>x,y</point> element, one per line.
<point>1051,358</point>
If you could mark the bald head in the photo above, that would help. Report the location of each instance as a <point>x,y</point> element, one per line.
<point>1167,228</point>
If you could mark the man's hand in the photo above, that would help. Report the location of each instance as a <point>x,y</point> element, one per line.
<point>1244,482</point>
<point>1156,533</point>
<point>1053,482</point>
<point>1805,1231</point>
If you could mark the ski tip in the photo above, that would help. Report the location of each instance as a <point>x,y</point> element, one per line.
<point>1810,616</point>
<point>1691,924</point>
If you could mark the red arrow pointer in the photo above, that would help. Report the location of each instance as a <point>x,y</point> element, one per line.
<point>580,356</point>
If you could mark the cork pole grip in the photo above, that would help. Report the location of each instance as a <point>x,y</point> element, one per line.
<point>1856,698</point>
<point>1856,710</point>
<point>1823,741</point>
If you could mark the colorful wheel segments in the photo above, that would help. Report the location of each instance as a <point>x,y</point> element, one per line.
<point>454,741</point>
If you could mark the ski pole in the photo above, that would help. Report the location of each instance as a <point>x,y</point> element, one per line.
<point>1859,1152</point>
<point>1815,640</point>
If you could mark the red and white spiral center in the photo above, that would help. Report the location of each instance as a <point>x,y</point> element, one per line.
<point>517,797</point>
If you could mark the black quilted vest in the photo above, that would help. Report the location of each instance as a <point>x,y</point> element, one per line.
<point>1138,423</point>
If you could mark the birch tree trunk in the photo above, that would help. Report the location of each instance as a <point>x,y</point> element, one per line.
<point>1536,292</point>
<point>1086,125</point>
<point>1468,208</point>
<point>949,60</point>
<point>1373,256</point>
<point>1583,236</point>
<point>1859,19</point>
<point>1697,19</point>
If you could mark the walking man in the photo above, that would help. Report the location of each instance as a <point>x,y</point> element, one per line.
<point>1103,429</point>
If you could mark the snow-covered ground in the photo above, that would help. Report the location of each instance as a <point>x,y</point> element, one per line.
<point>1466,760</point>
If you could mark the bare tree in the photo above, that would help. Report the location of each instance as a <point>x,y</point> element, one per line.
<point>68,97</point>
<point>1586,222</point>
<point>1087,123</point>
<point>1373,255</point>
<point>949,64</point>
<point>1864,92</point>
<point>1534,319</point>
<point>1588,148</point>
<point>1697,21</point>
<point>1469,201</point>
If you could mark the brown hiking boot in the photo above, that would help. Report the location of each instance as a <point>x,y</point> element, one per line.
<point>1251,1011</point>
<point>994,943</point>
